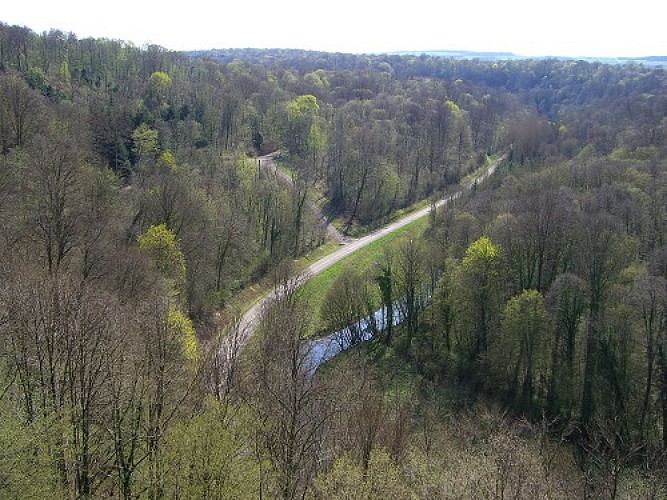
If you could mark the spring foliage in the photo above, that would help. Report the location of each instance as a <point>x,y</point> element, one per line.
<point>160,245</point>
<point>181,325</point>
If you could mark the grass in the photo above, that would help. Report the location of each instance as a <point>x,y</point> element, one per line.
<point>470,178</point>
<point>314,291</point>
<point>322,251</point>
<point>283,167</point>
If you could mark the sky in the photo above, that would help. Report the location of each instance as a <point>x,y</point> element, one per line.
<point>585,28</point>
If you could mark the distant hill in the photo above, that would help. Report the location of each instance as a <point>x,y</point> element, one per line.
<point>299,57</point>
<point>655,61</point>
<point>462,54</point>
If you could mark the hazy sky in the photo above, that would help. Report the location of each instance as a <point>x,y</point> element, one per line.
<point>525,27</point>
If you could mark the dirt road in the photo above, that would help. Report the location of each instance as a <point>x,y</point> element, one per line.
<point>267,162</point>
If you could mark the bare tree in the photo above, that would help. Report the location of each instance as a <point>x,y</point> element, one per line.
<point>52,197</point>
<point>600,258</point>
<point>658,267</point>
<point>567,302</point>
<point>347,308</point>
<point>290,404</point>
<point>21,112</point>
<point>410,286</point>
<point>62,336</point>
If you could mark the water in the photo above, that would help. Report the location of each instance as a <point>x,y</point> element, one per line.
<point>321,350</point>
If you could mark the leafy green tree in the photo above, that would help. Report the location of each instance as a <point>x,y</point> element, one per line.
<point>658,267</point>
<point>301,113</point>
<point>410,287</point>
<point>181,326</point>
<point>478,295</point>
<point>649,298</point>
<point>167,161</point>
<point>304,105</point>
<point>444,303</point>
<point>212,455</point>
<point>318,143</point>
<point>603,252</point>
<point>566,301</point>
<point>522,340</point>
<point>316,78</point>
<point>158,84</point>
<point>385,281</point>
<point>382,479</point>
<point>145,143</point>
<point>160,245</point>
<point>28,462</point>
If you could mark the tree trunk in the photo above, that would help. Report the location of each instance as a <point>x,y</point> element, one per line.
<point>357,199</point>
<point>662,363</point>
<point>587,400</point>
<point>648,322</point>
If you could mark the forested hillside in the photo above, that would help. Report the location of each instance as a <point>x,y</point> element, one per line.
<point>532,361</point>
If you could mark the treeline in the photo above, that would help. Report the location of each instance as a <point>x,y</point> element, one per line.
<point>414,124</point>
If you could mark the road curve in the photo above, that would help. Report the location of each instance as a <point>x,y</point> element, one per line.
<point>267,161</point>
<point>251,319</point>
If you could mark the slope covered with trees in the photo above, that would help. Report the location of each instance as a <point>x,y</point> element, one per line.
<point>131,214</point>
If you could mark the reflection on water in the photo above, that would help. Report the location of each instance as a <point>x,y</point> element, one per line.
<point>323,349</point>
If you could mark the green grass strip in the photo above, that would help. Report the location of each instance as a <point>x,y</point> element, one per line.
<point>315,290</point>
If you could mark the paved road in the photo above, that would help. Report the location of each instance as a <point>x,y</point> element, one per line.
<point>251,319</point>
<point>266,161</point>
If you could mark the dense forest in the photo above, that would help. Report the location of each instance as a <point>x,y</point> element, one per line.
<point>532,361</point>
